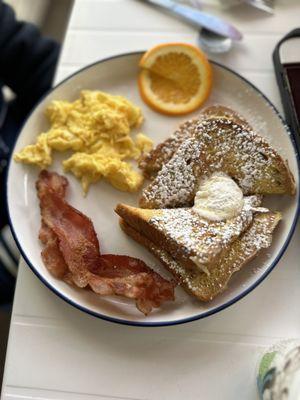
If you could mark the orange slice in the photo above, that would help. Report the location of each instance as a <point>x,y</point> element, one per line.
<point>175,79</point>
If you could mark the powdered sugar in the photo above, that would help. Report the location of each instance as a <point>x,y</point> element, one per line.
<point>189,235</point>
<point>217,144</point>
<point>206,287</point>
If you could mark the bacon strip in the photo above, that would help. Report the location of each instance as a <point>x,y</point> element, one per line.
<point>133,277</point>
<point>51,181</point>
<point>72,252</point>
<point>51,254</point>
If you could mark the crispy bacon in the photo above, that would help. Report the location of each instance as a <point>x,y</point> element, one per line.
<point>72,252</point>
<point>51,254</point>
<point>132,276</point>
<point>77,239</point>
<point>51,181</point>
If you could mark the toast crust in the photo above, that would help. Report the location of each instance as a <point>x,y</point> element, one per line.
<point>153,161</point>
<point>186,236</point>
<point>219,141</point>
<point>206,287</point>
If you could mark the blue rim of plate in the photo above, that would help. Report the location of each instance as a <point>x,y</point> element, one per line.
<point>183,320</point>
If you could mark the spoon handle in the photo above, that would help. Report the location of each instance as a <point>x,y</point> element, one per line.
<point>200,18</point>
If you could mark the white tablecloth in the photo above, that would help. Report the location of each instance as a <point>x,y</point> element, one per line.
<point>57,352</point>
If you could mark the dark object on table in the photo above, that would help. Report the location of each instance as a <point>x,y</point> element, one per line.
<point>287,70</point>
<point>27,66</point>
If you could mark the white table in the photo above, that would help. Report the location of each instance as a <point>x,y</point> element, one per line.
<point>57,352</point>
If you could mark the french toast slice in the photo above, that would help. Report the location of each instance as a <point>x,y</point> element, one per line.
<point>153,161</point>
<point>225,143</point>
<point>192,240</point>
<point>207,287</point>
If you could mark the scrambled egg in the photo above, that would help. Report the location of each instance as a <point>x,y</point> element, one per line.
<point>96,128</point>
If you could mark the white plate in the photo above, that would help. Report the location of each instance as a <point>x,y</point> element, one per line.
<point>118,75</point>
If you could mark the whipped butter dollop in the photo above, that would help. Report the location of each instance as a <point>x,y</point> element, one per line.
<point>218,198</point>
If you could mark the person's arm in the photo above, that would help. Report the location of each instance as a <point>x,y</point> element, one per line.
<point>27,60</point>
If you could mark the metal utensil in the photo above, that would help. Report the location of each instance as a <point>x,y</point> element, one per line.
<point>213,43</point>
<point>200,18</point>
<point>264,5</point>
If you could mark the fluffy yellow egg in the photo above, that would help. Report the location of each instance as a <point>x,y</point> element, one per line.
<point>89,168</point>
<point>96,128</point>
